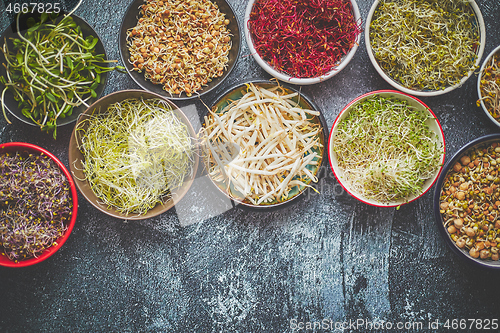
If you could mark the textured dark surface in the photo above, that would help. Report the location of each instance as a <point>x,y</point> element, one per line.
<point>208,267</point>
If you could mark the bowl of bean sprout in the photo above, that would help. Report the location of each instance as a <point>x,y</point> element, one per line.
<point>467,201</point>
<point>263,144</point>
<point>425,48</point>
<point>38,206</point>
<point>488,86</point>
<point>179,49</point>
<point>386,148</point>
<point>133,154</point>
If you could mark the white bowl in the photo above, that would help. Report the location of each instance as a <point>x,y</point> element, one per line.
<point>392,82</point>
<point>294,80</point>
<point>488,58</point>
<point>432,122</point>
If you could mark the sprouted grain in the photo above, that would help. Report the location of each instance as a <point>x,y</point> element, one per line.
<point>490,86</point>
<point>180,44</point>
<point>470,202</point>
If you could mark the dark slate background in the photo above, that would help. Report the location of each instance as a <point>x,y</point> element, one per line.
<point>206,266</point>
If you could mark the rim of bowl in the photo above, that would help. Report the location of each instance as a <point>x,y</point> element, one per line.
<point>294,80</point>
<point>139,79</point>
<point>436,201</point>
<point>82,185</point>
<point>488,58</point>
<point>20,146</point>
<point>426,93</point>
<point>322,121</point>
<point>403,95</point>
<point>80,109</point>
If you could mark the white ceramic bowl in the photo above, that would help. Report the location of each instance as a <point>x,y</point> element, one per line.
<point>432,122</point>
<point>392,82</point>
<point>294,80</point>
<point>487,60</point>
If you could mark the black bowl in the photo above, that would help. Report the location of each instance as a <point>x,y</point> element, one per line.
<point>130,20</point>
<point>234,93</point>
<point>462,253</point>
<point>12,105</point>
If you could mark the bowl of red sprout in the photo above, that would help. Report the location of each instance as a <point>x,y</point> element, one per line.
<point>303,42</point>
<point>38,204</point>
<point>386,148</point>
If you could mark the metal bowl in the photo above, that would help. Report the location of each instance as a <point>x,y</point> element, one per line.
<point>11,32</point>
<point>462,253</point>
<point>75,157</point>
<point>130,20</point>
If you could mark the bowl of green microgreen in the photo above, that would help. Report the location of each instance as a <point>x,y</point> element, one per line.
<point>488,86</point>
<point>38,204</point>
<point>133,154</point>
<point>54,67</point>
<point>302,42</point>
<point>386,148</point>
<point>425,48</point>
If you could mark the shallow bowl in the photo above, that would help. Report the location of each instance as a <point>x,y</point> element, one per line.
<point>12,105</point>
<point>130,21</point>
<point>235,92</point>
<point>462,253</point>
<point>13,147</point>
<point>480,77</point>
<point>76,157</point>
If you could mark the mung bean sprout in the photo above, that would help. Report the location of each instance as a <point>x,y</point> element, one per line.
<point>279,145</point>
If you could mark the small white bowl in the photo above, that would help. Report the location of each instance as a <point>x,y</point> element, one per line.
<point>427,93</point>
<point>294,80</point>
<point>432,122</point>
<point>487,60</point>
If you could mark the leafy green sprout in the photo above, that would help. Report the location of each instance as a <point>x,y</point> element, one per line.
<point>423,44</point>
<point>52,69</point>
<point>385,149</point>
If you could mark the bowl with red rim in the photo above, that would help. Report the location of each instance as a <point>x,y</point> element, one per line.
<point>337,54</point>
<point>383,161</point>
<point>26,149</point>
